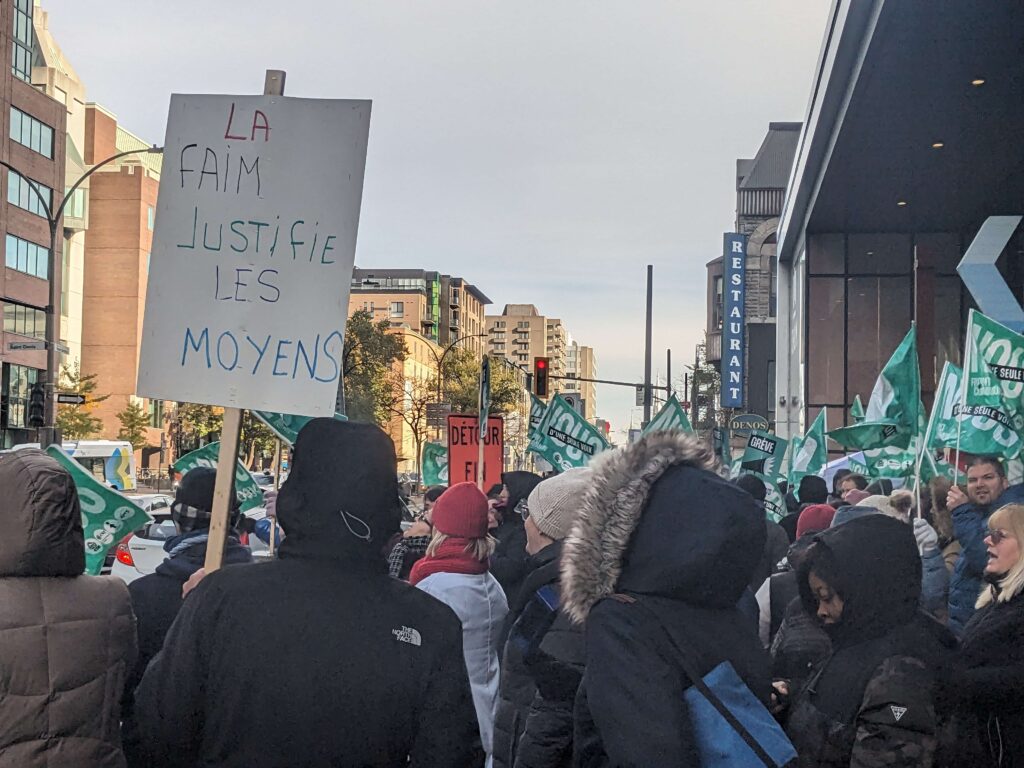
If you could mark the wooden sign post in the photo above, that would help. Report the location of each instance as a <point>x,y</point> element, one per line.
<point>251,266</point>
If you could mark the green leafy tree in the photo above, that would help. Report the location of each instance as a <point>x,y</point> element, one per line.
<point>134,422</point>
<point>462,384</point>
<point>369,358</point>
<point>200,424</point>
<point>256,440</point>
<point>78,422</point>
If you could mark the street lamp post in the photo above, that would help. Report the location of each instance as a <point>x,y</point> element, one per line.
<point>53,219</point>
<point>439,359</point>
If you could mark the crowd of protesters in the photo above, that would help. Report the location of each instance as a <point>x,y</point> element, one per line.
<point>592,618</point>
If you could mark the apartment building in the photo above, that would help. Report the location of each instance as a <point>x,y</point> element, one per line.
<point>520,334</point>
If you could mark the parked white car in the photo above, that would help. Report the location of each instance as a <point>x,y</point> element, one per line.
<point>140,552</point>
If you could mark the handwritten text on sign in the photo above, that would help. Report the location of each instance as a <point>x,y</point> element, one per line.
<point>252,254</point>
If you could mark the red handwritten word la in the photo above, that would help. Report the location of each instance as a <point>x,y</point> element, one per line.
<point>259,123</point>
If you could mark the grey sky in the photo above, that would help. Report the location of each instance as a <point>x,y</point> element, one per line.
<point>545,150</point>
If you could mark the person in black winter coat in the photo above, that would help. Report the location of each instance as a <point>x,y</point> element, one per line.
<point>661,551</point>
<point>156,597</point>
<point>543,659</point>
<point>987,686</point>
<point>318,658</point>
<point>872,702</point>
<point>508,563</point>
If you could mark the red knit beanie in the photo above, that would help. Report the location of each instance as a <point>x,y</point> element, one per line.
<point>816,517</point>
<point>461,511</point>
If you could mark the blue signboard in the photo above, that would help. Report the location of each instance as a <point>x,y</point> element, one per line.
<point>734,328</point>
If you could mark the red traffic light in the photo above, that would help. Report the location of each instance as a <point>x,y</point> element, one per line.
<point>542,363</point>
<point>540,376</point>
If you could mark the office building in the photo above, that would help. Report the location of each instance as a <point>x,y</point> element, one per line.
<point>911,142</point>
<point>520,334</point>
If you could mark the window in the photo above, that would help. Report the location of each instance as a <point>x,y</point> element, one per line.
<point>17,385</point>
<point>24,320</point>
<point>397,309</point>
<point>27,257</point>
<point>23,42</point>
<point>76,205</point>
<point>826,312</point>
<point>879,254</point>
<point>773,288</point>
<point>32,133</point>
<point>150,217</point>
<point>523,324</point>
<point>25,193</point>
<point>716,306</point>
<point>156,413</point>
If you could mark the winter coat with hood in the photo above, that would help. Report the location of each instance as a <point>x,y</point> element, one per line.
<point>508,563</point>
<point>67,641</point>
<point>970,523</point>
<point>872,701</point>
<point>663,547</point>
<point>987,687</point>
<point>541,670</point>
<point>318,658</point>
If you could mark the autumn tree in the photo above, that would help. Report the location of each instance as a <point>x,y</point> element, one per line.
<point>134,422</point>
<point>408,402</point>
<point>78,422</point>
<point>369,358</point>
<point>461,384</point>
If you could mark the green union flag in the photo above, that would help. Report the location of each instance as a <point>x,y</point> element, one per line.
<point>249,494</point>
<point>288,425</point>
<point>981,429</point>
<point>107,516</point>
<point>671,417</point>
<point>565,439</point>
<point>810,452</point>
<point>857,410</point>
<point>891,418</point>
<point>435,464</point>
<point>995,373</point>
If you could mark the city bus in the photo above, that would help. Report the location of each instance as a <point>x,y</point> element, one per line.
<point>112,462</point>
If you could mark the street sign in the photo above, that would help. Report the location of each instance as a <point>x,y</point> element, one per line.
<point>463,450</point>
<point>64,349</point>
<point>575,401</point>
<point>70,398</point>
<point>16,345</point>
<point>639,394</point>
<point>748,422</point>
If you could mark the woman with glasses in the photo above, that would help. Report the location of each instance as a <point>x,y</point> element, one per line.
<point>988,685</point>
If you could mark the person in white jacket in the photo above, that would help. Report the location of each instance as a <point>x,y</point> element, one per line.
<point>456,572</point>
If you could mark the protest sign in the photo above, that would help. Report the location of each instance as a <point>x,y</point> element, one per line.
<point>107,516</point>
<point>981,429</point>
<point>464,450</point>
<point>435,464</point>
<point>252,252</point>
<point>537,408</point>
<point>249,494</point>
<point>994,368</point>
<point>671,417</point>
<point>764,454</point>
<point>288,425</point>
<point>565,439</point>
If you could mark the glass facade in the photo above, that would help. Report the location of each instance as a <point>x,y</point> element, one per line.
<point>24,320</point>
<point>860,291</point>
<point>31,133</point>
<point>16,386</point>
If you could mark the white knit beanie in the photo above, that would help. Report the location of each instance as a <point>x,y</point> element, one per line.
<point>553,503</point>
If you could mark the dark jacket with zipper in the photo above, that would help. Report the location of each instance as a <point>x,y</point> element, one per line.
<point>987,687</point>
<point>872,702</point>
<point>661,552</point>
<point>509,561</point>
<point>541,670</point>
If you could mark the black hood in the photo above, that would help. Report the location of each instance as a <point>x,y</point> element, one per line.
<point>659,520</point>
<point>520,484</point>
<point>873,564</point>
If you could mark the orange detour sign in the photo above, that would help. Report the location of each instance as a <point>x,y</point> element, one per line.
<point>463,450</point>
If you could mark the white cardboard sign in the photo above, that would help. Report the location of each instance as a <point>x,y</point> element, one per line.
<point>252,253</point>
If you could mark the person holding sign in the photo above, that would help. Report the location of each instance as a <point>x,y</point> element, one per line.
<point>67,639</point>
<point>319,657</point>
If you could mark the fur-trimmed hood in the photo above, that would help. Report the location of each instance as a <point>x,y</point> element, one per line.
<point>660,520</point>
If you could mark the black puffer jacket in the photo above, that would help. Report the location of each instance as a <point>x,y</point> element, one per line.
<point>872,701</point>
<point>540,672</point>
<point>676,544</point>
<point>987,687</point>
<point>508,563</point>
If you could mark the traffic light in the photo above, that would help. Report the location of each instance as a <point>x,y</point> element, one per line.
<point>540,376</point>
<point>37,406</point>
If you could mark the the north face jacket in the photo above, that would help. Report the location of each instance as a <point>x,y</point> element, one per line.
<point>872,702</point>
<point>663,547</point>
<point>67,641</point>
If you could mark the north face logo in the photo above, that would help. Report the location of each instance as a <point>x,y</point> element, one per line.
<point>898,712</point>
<point>407,635</point>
